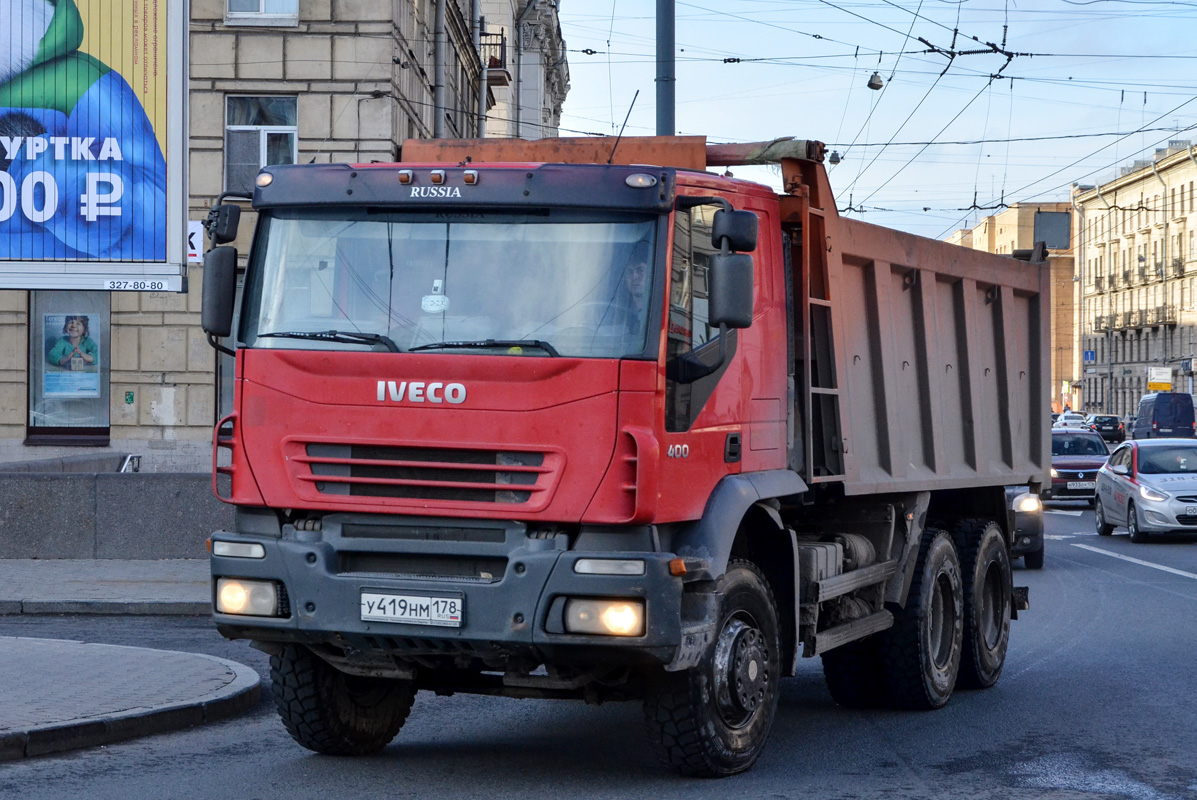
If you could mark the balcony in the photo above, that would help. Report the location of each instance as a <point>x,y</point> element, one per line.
<point>1118,321</point>
<point>1099,283</point>
<point>1127,277</point>
<point>1177,268</point>
<point>1101,323</point>
<point>1165,315</point>
<point>494,58</point>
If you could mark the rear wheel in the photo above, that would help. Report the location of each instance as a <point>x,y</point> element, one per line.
<point>1132,525</point>
<point>985,568</point>
<point>920,654</point>
<point>334,713</point>
<point>853,674</point>
<point>1104,528</point>
<point>712,720</point>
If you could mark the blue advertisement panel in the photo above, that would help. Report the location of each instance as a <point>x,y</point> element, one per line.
<point>84,89</point>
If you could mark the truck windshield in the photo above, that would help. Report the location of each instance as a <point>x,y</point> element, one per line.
<point>539,283</point>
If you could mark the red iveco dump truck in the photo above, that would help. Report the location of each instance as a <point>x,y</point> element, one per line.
<point>584,419</point>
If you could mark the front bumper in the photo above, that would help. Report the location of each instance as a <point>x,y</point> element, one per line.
<point>1028,533</point>
<point>1170,516</point>
<point>1072,486</point>
<point>513,588</point>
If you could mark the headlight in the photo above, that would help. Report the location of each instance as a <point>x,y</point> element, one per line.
<point>605,617</point>
<point>250,598</point>
<point>1054,473</point>
<point>1028,503</point>
<point>1147,493</point>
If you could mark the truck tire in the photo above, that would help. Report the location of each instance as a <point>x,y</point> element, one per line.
<point>985,567</point>
<point>713,719</point>
<point>920,654</point>
<point>853,674</point>
<point>334,713</point>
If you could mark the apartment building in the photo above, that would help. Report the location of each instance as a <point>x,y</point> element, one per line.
<point>1018,227</point>
<point>1135,243</point>
<point>270,82</point>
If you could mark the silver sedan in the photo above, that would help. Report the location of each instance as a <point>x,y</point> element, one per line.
<point>1150,486</point>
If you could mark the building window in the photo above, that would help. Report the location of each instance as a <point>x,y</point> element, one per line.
<point>259,132</point>
<point>69,372</point>
<point>271,13</point>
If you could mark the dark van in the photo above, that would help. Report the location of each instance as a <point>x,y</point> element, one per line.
<point>1165,414</point>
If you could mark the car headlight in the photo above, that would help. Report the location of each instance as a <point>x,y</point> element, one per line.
<point>1147,493</point>
<point>1028,503</point>
<point>1054,473</point>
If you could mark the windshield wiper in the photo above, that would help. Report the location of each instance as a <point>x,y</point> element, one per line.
<point>343,337</point>
<point>487,343</point>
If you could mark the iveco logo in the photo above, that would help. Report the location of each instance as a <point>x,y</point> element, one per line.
<point>435,191</point>
<point>421,392</point>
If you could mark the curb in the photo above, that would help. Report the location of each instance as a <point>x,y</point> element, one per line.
<point>236,697</point>
<point>107,607</point>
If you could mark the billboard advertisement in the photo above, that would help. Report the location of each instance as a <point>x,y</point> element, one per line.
<point>92,144</point>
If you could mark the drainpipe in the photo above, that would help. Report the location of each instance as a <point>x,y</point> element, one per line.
<point>1164,253</point>
<point>1079,262</point>
<point>479,22</point>
<point>1109,338</point>
<point>438,80</point>
<point>519,64</point>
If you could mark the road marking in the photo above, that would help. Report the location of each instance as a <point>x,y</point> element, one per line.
<point>1065,513</point>
<point>1160,567</point>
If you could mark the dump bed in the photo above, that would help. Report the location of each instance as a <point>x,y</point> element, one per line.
<point>925,364</point>
<point>944,363</point>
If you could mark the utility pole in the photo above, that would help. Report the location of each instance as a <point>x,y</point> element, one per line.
<point>666,77</point>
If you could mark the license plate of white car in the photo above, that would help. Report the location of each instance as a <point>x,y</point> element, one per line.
<point>1082,484</point>
<point>445,612</point>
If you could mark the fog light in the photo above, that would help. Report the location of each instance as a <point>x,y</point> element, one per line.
<point>247,598</point>
<point>238,549</point>
<point>1155,516</point>
<point>605,617</point>
<point>609,566</point>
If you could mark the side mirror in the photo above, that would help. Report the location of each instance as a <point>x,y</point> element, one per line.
<point>740,228</point>
<point>730,287</point>
<point>222,222</point>
<point>1119,469</point>
<point>220,288</point>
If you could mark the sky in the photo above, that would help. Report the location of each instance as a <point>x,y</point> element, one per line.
<point>983,102</point>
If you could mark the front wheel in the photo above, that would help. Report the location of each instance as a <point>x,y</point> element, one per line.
<point>1132,525</point>
<point>1033,559</point>
<point>985,566</point>
<point>334,713</point>
<point>921,652</point>
<point>712,720</point>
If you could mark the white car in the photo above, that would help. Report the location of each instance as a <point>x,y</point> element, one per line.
<point>1149,486</point>
<point>1073,421</point>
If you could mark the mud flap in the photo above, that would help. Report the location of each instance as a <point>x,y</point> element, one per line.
<point>700,618</point>
<point>1020,600</point>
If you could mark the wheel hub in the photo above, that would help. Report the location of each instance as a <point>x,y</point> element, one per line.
<point>741,671</point>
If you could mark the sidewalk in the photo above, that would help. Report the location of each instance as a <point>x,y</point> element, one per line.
<point>62,695</point>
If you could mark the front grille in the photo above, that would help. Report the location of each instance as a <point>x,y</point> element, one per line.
<point>426,567</point>
<point>424,473</point>
<point>422,533</point>
<point>1187,498</point>
<point>1187,519</point>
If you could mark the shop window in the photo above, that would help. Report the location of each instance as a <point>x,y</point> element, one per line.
<point>69,368</point>
<point>259,132</point>
<point>274,13</point>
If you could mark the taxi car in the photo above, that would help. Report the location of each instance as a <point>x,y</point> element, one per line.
<point>1149,486</point>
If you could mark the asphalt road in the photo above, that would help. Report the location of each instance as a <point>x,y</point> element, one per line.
<point>1097,701</point>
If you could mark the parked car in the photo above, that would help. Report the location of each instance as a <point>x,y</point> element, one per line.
<point>1077,455</point>
<point>1109,426</point>
<point>1027,540</point>
<point>1149,486</point>
<point>1072,420</point>
<point>1165,415</point>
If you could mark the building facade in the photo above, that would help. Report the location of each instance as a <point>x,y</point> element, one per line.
<point>1135,239</point>
<point>1017,228</point>
<point>271,82</point>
